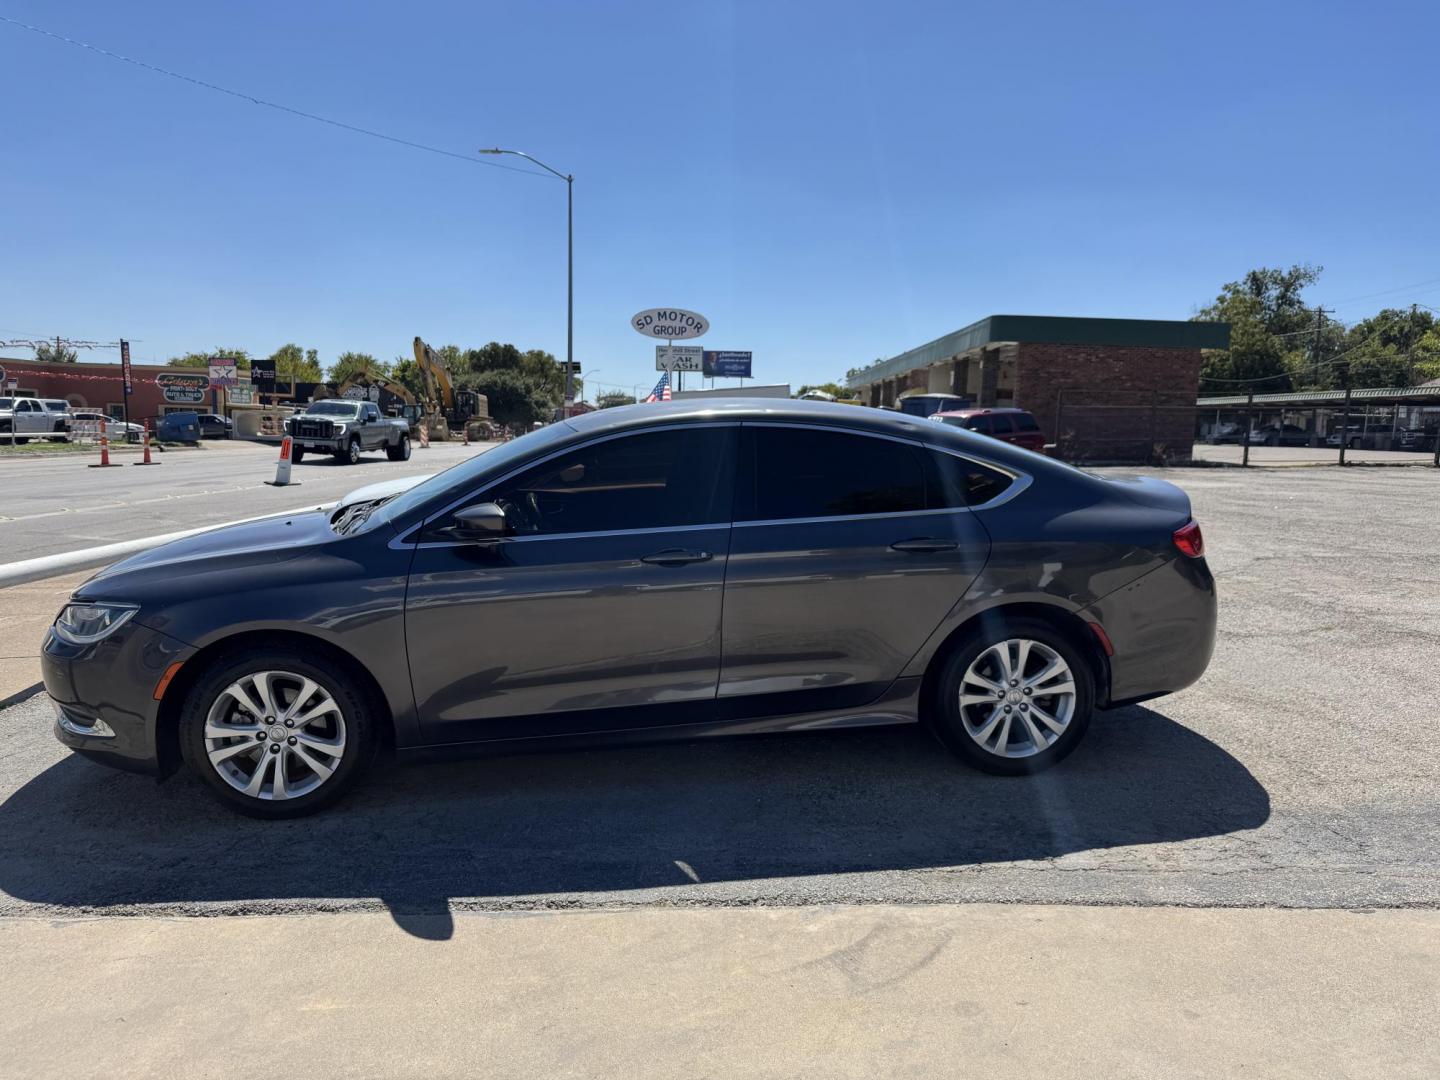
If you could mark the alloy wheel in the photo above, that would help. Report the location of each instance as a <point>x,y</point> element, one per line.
<point>1017,698</point>
<point>275,735</point>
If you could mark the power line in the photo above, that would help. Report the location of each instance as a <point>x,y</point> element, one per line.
<point>471,159</point>
<point>1388,292</point>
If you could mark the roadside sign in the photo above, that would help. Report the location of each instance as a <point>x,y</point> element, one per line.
<point>679,358</point>
<point>669,324</point>
<point>733,365</point>
<point>222,371</point>
<point>182,389</point>
<point>262,371</point>
<point>374,393</point>
<point>240,394</point>
<point>126,385</point>
<point>355,393</point>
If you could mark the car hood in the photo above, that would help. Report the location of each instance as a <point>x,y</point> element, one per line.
<point>229,550</point>
<point>383,490</point>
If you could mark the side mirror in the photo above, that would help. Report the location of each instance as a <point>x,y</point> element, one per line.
<point>483,521</point>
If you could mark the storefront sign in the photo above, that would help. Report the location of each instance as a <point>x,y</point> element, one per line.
<point>733,365</point>
<point>125,380</point>
<point>182,389</point>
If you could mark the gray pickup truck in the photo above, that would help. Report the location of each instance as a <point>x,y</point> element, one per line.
<point>347,429</point>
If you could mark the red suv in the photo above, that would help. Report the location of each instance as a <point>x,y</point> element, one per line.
<point>1009,425</point>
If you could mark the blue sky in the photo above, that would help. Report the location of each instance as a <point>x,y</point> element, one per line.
<point>828,183</point>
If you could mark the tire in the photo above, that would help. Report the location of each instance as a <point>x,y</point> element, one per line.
<point>974,731</point>
<point>342,739</point>
<point>400,451</point>
<point>297,454</point>
<point>20,440</point>
<point>350,455</point>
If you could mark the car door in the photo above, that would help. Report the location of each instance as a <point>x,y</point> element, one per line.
<point>843,560</point>
<point>30,417</point>
<point>600,610</point>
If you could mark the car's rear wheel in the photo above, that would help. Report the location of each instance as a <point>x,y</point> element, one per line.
<point>277,734</point>
<point>1014,698</point>
<point>400,451</point>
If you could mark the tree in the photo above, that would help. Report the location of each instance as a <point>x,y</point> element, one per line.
<point>1268,344</point>
<point>1387,349</point>
<point>293,364</point>
<point>56,354</point>
<point>611,398</point>
<point>202,359</point>
<point>406,372</point>
<point>514,399</point>
<point>833,389</point>
<point>348,364</point>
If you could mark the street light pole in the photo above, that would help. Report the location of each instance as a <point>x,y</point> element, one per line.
<point>569,269</point>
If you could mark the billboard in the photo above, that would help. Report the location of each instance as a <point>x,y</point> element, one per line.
<point>727,365</point>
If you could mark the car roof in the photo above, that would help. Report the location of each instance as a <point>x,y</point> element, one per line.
<point>860,418</point>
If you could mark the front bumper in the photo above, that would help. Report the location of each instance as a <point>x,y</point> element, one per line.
<point>104,694</point>
<point>327,446</point>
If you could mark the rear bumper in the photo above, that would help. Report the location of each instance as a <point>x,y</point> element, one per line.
<point>1162,626</point>
<point>103,694</point>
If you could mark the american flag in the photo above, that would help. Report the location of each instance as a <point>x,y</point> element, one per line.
<point>661,391</point>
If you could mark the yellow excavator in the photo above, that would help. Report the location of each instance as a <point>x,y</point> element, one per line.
<point>450,409</point>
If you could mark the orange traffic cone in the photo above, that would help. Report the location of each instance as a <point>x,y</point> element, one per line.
<point>146,437</point>
<point>105,462</point>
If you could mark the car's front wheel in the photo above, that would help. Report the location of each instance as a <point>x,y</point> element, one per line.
<point>351,454</point>
<point>277,734</point>
<point>400,451</point>
<point>297,454</point>
<point>1014,698</point>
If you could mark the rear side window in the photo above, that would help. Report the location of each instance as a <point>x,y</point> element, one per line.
<point>978,423</point>
<point>798,473</point>
<point>1025,422</point>
<point>956,481</point>
<point>1002,424</point>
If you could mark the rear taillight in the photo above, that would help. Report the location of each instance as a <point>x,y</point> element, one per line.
<point>1189,540</point>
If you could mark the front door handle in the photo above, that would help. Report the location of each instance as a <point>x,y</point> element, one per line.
<point>924,544</point>
<point>676,557</point>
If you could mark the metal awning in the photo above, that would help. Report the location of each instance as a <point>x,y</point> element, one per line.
<point>1390,395</point>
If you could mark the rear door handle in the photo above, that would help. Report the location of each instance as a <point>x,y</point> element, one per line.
<point>923,544</point>
<point>676,557</point>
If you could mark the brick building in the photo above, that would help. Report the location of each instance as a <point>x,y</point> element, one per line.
<point>97,386</point>
<point>1120,390</point>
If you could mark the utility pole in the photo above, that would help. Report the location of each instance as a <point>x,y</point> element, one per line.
<point>1315,348</point>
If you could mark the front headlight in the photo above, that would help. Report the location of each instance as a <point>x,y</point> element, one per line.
<point>85,624</point>
<point>339,428</point>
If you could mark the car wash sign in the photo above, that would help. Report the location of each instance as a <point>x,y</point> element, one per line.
<point>182,389</point>
<point>669,324</point>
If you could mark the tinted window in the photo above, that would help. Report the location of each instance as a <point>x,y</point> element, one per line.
<point>978,423</point>
<point>1002,424</point>
<point>954,481</point>
<point>1025,422</point>
<point>660,479</point>
<point>798,473</point>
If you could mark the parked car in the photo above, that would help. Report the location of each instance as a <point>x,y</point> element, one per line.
<point>86,424</point>
<point>60,418</point>
<point>1226,433</point>
<point>1280,435</point>
<point>925,404</point>
<point>1008,425</point>
<point>215,426</point>
<point>644,573</point>
<point>1355,437</point>
<point>1415,439</point>
<point>26,418</point>
<point>181,427</point>
<point>346,429</point>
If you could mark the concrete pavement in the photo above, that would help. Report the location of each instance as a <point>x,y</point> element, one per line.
<point>52,505</point>
<point>985,990</point>
<point>25,612</point>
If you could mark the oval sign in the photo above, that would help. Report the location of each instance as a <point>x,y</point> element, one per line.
<point>669,324</point>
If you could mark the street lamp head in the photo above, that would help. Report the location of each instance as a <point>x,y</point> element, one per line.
<point>496,150</point>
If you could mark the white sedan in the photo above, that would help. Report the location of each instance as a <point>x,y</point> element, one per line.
<point>87,425</point>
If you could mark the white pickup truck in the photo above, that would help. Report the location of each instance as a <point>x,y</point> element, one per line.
<point>26,418</point>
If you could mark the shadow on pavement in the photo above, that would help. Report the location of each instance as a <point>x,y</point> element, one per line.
<point>79,835</point>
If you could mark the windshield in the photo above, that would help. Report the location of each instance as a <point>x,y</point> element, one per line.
<point>333,408</point>
<point>472,471</point>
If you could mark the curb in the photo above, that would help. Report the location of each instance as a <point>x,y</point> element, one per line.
<point>48,566</point>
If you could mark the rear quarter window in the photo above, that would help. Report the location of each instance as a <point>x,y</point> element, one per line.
<point>955,481</point>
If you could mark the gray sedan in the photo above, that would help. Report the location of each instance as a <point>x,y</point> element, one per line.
<point>643,573</point>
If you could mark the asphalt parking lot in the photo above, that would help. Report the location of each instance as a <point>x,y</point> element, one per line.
<point>1300,772</point>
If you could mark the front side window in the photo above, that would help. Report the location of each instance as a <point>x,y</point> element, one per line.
<point>1025,422</point>
<point>799,473</point>
<point>1002,425</point>
<point>653,480</point>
